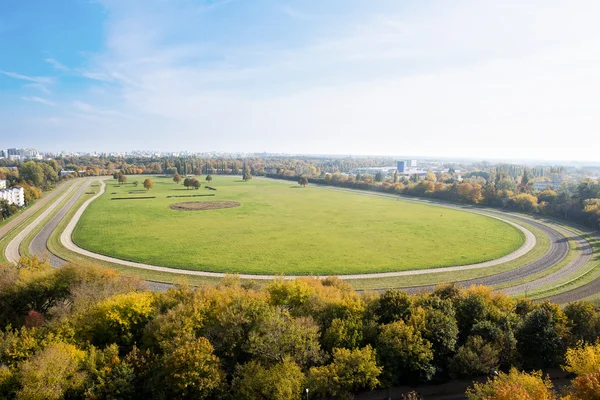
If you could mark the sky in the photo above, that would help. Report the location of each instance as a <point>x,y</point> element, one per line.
<point>516,79</point>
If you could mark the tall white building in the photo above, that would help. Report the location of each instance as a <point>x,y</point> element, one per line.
<point>15,195</point>
<point>2,184</point>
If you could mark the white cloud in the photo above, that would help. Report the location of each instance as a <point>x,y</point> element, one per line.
<point>292,12</point>
<point>90,110</point>
<point>39,100</point>
<point>36,79</point>
<point>57,65</point>
<point>38,86</point>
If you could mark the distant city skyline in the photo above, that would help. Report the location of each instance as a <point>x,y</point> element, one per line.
<point>462,79</point>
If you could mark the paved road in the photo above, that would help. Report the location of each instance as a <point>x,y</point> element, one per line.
<point>12,249</point>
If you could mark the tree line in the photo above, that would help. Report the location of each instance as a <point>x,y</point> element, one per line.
<point>579,202</point>
<point>83,332</point>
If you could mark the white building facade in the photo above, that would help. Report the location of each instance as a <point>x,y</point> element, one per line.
<point>14,196</point>
<point>2,184</point>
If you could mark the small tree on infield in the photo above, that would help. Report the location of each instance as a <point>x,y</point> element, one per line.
<point>196,184</point>
<point>187,182</point>
<point>122,178</point>
<point>177,178</point>
<point>303,181</point>
<point>208,178</point>
<point>148,184</point>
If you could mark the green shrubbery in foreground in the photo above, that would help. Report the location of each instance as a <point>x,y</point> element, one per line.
<point>81,332</point>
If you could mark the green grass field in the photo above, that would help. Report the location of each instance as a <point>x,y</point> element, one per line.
<point>282,228</point>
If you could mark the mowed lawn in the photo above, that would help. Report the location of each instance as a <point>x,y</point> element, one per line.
<point>282,228</point>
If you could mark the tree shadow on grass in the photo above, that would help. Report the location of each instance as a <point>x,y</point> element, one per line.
<point>296,187</point>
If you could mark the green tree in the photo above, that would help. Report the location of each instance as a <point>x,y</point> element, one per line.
<point>542,337</point>
<point>122,178</point>
<point>349,372</point>
<point>208,178</point>
<point>394,305</point>
<point>109,376</point>
<point>148,184</point>
<point>378,177</point>
<point>303,181</point>
<point>404,354</point>
<point>474,358</point>
<point>582,321</point>
<point>32,172</point>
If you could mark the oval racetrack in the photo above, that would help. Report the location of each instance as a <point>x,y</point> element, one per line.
<point>556,253</point>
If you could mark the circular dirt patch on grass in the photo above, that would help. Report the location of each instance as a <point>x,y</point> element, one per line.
<point>203,205</point>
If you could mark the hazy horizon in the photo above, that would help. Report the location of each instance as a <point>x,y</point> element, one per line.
<point>464,80</point>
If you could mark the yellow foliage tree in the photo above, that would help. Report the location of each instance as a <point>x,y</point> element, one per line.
<point>513,386</point>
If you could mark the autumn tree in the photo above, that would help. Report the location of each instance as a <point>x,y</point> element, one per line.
<point>191,370</point>
<point>246,175</point>
<point>148,184</point>
<point>349,372</point>
<point>177,178</point>
<point>122,178</point>
<point>282,380</point>
<point>303,181</point>
<point>512,386</point>
<point>52,372</point>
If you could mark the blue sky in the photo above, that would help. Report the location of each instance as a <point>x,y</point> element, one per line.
<point>510,79</point>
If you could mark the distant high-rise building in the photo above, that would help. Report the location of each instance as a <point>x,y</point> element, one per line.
<point>2,154</point>
<point>401,165</point>
<point>13,152</point>
<point>412,163</point>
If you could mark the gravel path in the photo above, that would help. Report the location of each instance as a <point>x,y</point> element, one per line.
<point>12,249</point>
